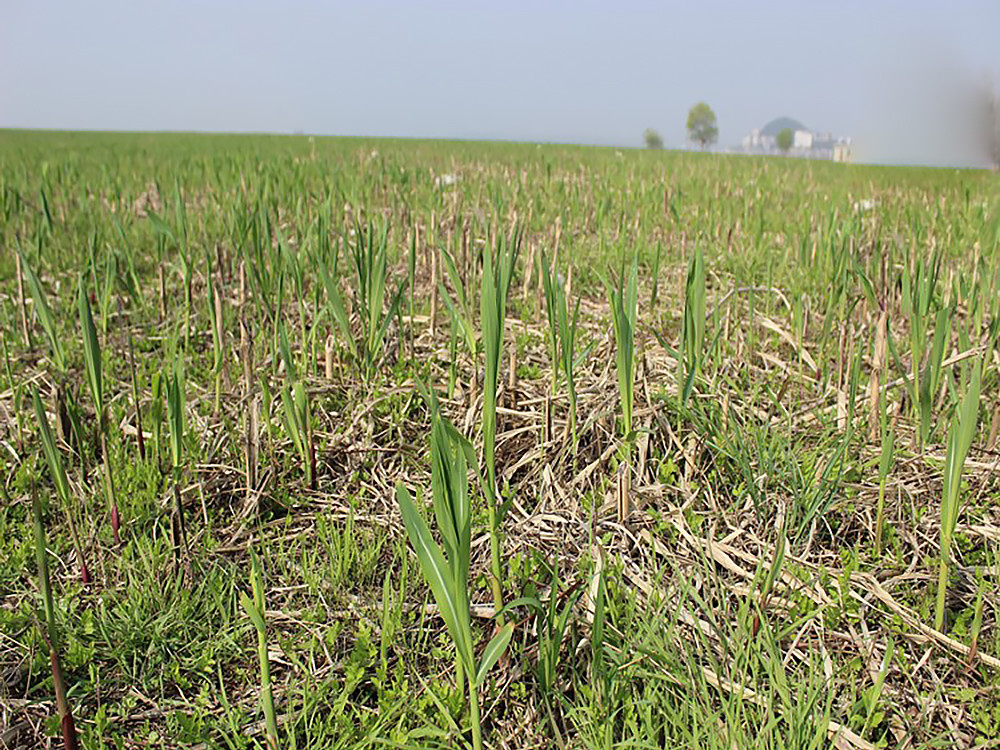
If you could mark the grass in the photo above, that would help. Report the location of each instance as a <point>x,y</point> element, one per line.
<point>793,398</point>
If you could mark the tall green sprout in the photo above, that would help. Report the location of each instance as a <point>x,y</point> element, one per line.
<point>459,309</point>
<point>156,413</point>
<point>66,724</point>
<point>918,289</point>
<point>888,438</point>
<point>498,267</point>
<point>44,314</point>
<point>694,322</point>
<point>256,609</point>
<point>92,360</point>
<point>175,420</point>
<point>298,417</point>
<point>960,436</point>
<point>447,570</point>
<point>624,312</point>
<point>561,337</point>
<point>58,472</point>
<point>552,288</point>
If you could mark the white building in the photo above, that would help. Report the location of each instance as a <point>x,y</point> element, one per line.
<point>803,140</point>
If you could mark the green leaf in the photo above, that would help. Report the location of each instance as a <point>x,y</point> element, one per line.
<point>454,610</point>
<point>91,349</point>
<point>44,314</point>
<point>52,456</point>
<point>338,309</point>
<point>251,609</point>
<point>292,425</point>
<point>494,650</point>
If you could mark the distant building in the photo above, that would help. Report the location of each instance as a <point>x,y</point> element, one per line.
<point>806,143</point>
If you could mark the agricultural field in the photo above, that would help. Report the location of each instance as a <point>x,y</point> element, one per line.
<point>344,443</point>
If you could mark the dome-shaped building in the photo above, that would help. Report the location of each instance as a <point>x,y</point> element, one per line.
<point>781,123</point>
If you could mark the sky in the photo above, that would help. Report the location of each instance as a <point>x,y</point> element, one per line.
<point>893,75</point>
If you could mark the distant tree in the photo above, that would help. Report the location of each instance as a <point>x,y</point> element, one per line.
<point>701,125</point>
<point>785,139</point>
<point>653,139</point>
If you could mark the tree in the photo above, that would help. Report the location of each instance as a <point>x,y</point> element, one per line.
<point>785,139</point>
<point>701,125</point>
<point>653,139</point>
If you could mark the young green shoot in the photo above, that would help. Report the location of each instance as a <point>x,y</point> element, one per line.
<point>498,269</point>
<point>92,361</point>
<point>66,724</point>
<point>447,570</point>
<point>960,437</point>
<point>256,609</point>
<point>54,460</point>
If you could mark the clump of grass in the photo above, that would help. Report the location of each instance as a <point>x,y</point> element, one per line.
<point>463,326</point>
<point>562,330</point>
<point>918,290</point>
<point>295,402</point>
<point>960,436</point>
<point>369,255</point>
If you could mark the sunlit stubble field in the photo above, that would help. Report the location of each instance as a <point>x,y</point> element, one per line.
<point>366,443</point>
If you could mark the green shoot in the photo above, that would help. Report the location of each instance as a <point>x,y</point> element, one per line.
<point>960,436</point>
<point>92,360</point>
<point>54,460</point>
<point>498,268</point>
<point>256,609</point>
<point>447,571</point>
<point>45,317</point>
<point>624,311</point>
<point>70,740</point>
<point>694,323</point>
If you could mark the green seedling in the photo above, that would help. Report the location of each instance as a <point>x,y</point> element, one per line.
<point>694,323</point>
<point>256,609</point>
<point>960,437</point>
<point>44,314</point>
<point>51,631</point>
<point>92,360</point>
<point>498,268</point>
<point>624,311</point>
<point>447,570</point>
<point>54,459</point>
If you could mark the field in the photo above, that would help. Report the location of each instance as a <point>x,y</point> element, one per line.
<point>338,443</point>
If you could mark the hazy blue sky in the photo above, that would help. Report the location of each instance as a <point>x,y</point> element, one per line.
<point>884,72</point>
